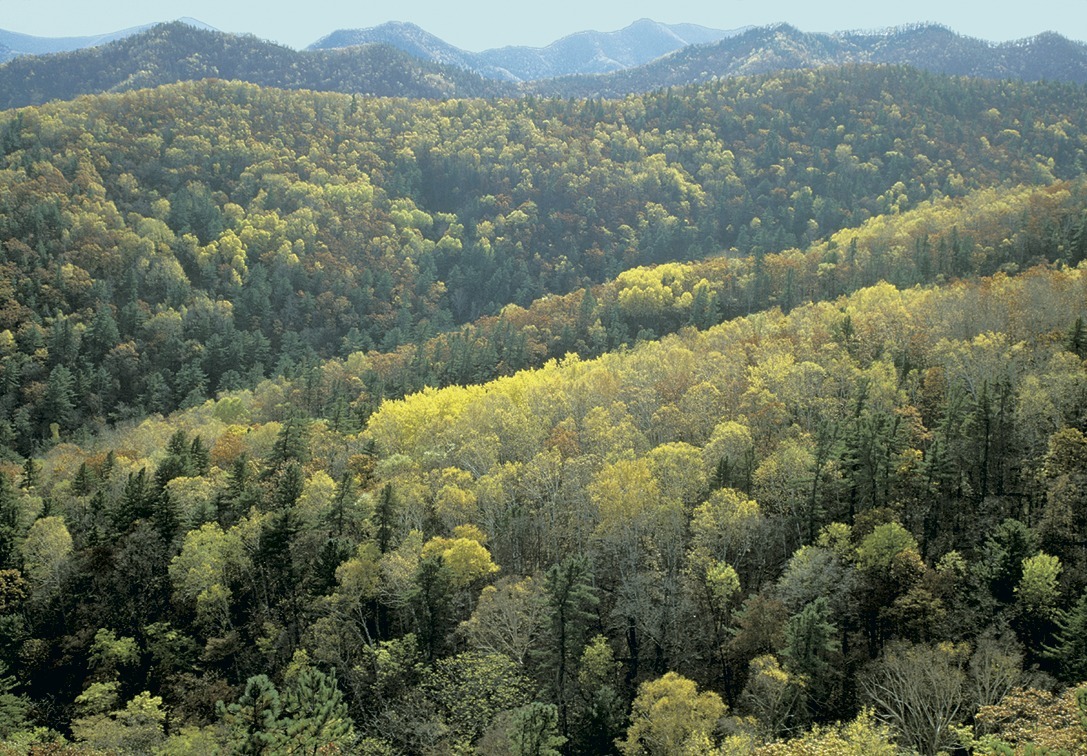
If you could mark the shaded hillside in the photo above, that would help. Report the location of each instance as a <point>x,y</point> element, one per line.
<point>767,49</point>
<point>178,52</point>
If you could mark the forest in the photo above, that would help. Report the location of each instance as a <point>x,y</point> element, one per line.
<point>740,418</point>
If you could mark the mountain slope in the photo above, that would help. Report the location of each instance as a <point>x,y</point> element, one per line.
<point>770,49</point>
<point>410,39</point>
<point>178,52</point>
<point>588,52</point>
<point>167,244</point>
<point>13,44</point>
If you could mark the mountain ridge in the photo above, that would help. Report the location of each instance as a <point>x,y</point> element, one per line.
<point>14,44</point>
<point>769,49</point>
<point>181,52</point>
<point>585,52</point>
<point>175,52</point>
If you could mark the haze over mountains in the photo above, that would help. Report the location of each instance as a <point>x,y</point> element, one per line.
<point>761,50</point>
<point>13,44</point>
<point>588,52</point>
<point>399,59</point>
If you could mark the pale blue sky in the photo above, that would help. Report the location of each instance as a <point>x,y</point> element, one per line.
<point>476,25</point>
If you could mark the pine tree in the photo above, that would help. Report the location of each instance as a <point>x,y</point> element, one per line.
<point>254,722</point>
<point>30,475</point>
<point>1070,645</point>
<point>137,500</point>
<point>9,520</point>
<point>13,708</point>
<point>384,518</point>
<point>316,715</point>
<point>83,483</point>
<point>570,598</point>
<point>199,457</point>
<point>811,643</point>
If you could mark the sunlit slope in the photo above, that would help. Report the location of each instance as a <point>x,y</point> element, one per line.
<point>1005,228</point>
<point>163,245</point>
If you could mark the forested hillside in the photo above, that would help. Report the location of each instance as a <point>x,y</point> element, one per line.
<point>163,245</point>
<point>747,417</point>
<point>871,502</point>
<point>178,51</point>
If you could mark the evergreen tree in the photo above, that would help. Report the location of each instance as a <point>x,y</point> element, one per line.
<point>9,521</point>
<point>254,722</point>
<point>811,647</point>
<point>13,708</point>
<point>316,715</point>
<point>1069,649</point>
<point>570,599</point>
<point>385,518</point>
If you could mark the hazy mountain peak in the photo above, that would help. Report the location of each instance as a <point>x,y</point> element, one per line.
<point>14,44</point>
<point>579,53</point>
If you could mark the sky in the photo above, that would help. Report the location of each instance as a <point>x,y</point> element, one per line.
<point>480,24</point>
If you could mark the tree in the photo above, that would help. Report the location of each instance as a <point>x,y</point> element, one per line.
<point>431,596</point>
<point>254,723</point>
<point>569,598</point>
<point>10,512</point>
<point>772,694</point>
<point>811,652</point>
<point>384,518</point>
<point>510,618</point>
<point>602,709</point>
<point>530,730</point>
<point>470,689</point>
<point>863,736</point>
<point>920,691</point>
<point>46,551</point>
<point>13,707</point>
<point>1036,597</point>
<point>669,712</point>
<point>136,729</point>
<point>996,666</point>
<point>1069,647</point>
<point>316,714</point>
<point>1033,721</point>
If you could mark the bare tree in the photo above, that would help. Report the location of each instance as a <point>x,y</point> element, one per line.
<point>920,690</point>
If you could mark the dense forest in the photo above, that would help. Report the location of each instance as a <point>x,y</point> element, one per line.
<point>740,418</point>
<point>163,245</point>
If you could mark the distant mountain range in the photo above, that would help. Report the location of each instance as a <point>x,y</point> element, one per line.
<point>174,52</point>
<point>13,44</point>
<point>929,47</point>
<point>588,52</point>
<point>403,60</point>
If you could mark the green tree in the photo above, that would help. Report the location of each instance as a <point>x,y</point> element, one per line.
<point>1069,649</point>
<point>529,730</point>
<point>570,599</point>
<point>668,713</point>
<point>13,707</point>
<point>812,652</point>
<point>254,722</point>
<point>10,512</point>
<point>316,714</point>
<point>471,689</point>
